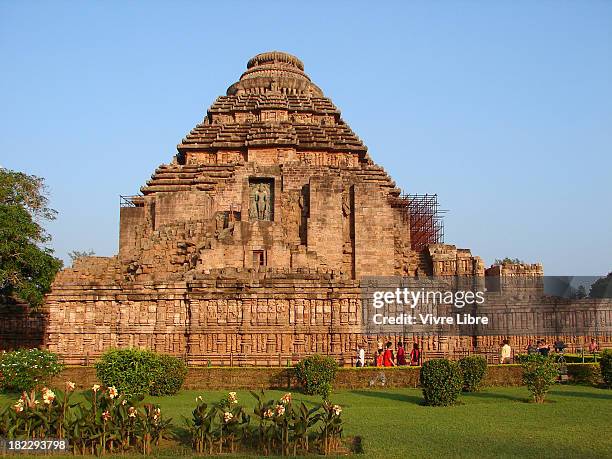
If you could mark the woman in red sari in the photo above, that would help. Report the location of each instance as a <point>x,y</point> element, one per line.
<point>415,355</point>
<point>388,359</point>
<point>401,354</point>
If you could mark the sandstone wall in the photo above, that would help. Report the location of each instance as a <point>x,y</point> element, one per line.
<point>273,317</point>
<point>21,328</point>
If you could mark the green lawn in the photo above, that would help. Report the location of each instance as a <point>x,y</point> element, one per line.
<point>498,422</point>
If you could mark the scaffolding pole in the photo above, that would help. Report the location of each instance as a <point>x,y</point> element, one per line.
<point>426,219</point>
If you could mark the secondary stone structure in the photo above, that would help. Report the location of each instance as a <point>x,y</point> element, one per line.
<point>250,246</point>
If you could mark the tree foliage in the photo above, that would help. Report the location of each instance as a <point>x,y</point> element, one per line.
<point>27,267</point>
<point>508,261</point>
<point>76,254</point>
<point>602,288</point>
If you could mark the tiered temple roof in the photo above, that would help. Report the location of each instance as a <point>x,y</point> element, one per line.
<point>273,103</point>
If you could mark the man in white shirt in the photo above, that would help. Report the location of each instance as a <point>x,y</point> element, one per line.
<point>506,353</point>
<point>361,357</point>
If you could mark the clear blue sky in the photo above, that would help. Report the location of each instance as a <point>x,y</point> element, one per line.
<point>502,108</point>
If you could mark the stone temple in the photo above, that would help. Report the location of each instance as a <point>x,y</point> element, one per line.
<point>249,246</point>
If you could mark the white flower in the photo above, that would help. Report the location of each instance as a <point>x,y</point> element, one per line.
<point>286,398</point>
<point>268,413</point>
<point>280,410</point>
<point>95,387</point>
<point>106,416</point>
<point>112,392</point>
<point>123,402</point>
<point>227,416</point>
<point>48,395</point>
<point>232,398</point>
<point>337,410</point>
<point>132,412</point>
<point>199,399</point>
<point>18,407</point>
<point>70,386</point>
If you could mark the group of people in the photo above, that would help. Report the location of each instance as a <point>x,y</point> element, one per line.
<point>540,347</point>
<point>385,357</point>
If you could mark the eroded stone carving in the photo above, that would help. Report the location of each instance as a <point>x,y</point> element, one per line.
<point>260,205</point>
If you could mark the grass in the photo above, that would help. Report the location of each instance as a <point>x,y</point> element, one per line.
<point>497,422</point>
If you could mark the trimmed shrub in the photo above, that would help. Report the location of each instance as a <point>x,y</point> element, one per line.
<point>577,358</point>
<point>569,358</point>
<point>172,373</point>
<point>605,363</point>
<point>441,381</point>
<point>473,370</point>
<point>584,373</point>
<point>141,372</point>
<point>316,374</point>
<point>27,369</point>
<point>539,374</point>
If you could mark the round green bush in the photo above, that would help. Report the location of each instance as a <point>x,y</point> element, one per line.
<point>316,374</point>
<point>171,377</point>
<point>141,372</point>
<point>605,363</point>
<point>539,374</point>
<point>441,381</point>
<point>473,369</point>
<point>27,369</point>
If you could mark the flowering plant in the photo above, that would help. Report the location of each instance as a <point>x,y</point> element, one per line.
<point>27,369</point>
<point>221,426</point>
<point>331,430</point>
<point>106,422</point>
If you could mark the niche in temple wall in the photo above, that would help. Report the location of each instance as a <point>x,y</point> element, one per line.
<point>261,199</point>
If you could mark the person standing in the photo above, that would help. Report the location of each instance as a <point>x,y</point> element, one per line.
<point>388,359</point>
<point>531,349</point>
<point>415,355</point>
<point>593,347</point>
<point>360,356</point>
<point>543,349</point>
<point>378,360</point>
<point>506,353</point>
<point>401,354</point>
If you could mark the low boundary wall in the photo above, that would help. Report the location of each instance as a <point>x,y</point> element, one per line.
<point>212,378</point>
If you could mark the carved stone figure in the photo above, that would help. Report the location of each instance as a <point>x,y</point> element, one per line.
<point>260,203</point>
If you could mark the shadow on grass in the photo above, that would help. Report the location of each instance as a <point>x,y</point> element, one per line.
<point>494,395</point>
<point>591,395</point>
<point>390,396</point>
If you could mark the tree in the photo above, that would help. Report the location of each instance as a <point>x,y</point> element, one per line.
<point>602,287</point>
<point>27,266</point>
<point>508,260</point>
<point>76,254</point>
<point>577,293</point>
